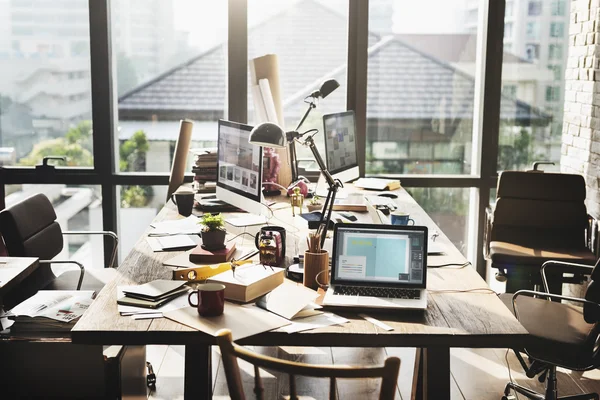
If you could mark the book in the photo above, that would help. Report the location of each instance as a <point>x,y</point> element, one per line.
<point>249,282</point>
<point>202,256</point>
<point>128,300</point>
<point>50,311</point>
<point>153,290</point>
<point>353,202</point>
<point>377,183</point>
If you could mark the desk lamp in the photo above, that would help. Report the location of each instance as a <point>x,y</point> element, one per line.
<point>269,134</point>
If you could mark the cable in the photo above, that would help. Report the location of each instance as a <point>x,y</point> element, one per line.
<point>481,290</point>
<point>323,286</point>
<point>510,373</point>
<point>460,266</point>
<point>240,234</point>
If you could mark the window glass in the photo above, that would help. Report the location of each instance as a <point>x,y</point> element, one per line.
<point>170,65</point>
<point>558,7</point>
<point>508,30</point>
<point>535,8</point>
<point>508,10</point>
<point>531,128</point>
<point>449,209</point>
<point>137,208</point>
<point>281,27</point>
<point>421,88</point>
<point>77,208</point>
<point>45,86</point>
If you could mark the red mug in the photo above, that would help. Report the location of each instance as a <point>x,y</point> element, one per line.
<point>211,299</point>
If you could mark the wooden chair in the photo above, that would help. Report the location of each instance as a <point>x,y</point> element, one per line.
<point>230,352</point>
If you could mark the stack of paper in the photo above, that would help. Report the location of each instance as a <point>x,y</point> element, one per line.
<point>150,296</point>
<point>50,310</point>
<point>137,312</point>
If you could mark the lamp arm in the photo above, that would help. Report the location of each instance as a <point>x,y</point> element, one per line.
<point>312,104</point>
<point>292,146</point>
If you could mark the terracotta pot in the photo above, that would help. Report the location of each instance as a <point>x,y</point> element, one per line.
<point>213,240</point>
<point>314,207</point>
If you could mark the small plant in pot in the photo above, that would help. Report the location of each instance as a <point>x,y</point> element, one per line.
<point>213,233</point>
<point>315,204</point>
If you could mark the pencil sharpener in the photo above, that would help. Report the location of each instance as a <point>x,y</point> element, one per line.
<point>270,248</point>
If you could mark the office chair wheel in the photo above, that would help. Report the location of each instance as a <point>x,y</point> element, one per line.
<point>150,377</point>
<point>509,397</point>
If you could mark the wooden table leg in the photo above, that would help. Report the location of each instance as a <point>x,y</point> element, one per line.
<point>198,372</point>
<point>432,370</point>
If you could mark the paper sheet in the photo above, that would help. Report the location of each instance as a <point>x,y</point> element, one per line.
<point>317,321</point>
<point>242,320</point>
<point>176,242</point>
<point>189,225</point>
<point>288,299</point>
<point>178,302</point>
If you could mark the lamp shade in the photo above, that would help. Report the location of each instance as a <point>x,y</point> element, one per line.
<point>268,134</point>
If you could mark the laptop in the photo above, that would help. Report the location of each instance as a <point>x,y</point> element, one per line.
<point>378,266</point>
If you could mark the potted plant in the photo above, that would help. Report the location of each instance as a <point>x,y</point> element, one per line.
<point>213,233</point>
<point>314,204</point>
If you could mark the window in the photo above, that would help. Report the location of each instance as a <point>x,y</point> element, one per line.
<point>508,27</point>
<point>559,7</point>
<point>532,51</point>
<point>38,115</point>
<point>156,85</point>
<point>557,71</point>
<point>508,9</point>
<point>555,52</point>
<point>510,90</point>
<point>552,93</point>
<point>303,63</point>
<point>557,29</point>
<point>532,30</point>
<point>507,47</point>
<point>529,128</point>
<point>535,8</point>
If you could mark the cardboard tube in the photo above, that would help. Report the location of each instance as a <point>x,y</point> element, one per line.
<point>182,148</point>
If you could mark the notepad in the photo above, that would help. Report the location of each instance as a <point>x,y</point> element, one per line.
<point>153,290</point>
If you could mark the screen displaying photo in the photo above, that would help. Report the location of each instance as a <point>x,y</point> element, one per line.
<point>340,141</point>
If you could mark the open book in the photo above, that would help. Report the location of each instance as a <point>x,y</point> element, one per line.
<point>249,281</point>
<point>50,310</point>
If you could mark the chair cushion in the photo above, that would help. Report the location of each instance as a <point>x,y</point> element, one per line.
<point>509,254</point>
<point>561,334</point>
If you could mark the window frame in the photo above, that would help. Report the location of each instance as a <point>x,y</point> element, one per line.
<point>104,116</point>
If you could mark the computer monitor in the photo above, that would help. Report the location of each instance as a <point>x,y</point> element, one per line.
<point>239,166</point>
<point>340,145</point>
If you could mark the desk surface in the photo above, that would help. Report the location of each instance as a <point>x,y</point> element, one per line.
<point>452,319</point>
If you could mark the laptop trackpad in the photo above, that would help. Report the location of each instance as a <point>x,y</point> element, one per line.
<point>346,300</point>
<point>378,302</point>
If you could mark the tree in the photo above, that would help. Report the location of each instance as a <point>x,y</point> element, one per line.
<point>518,154</point>
<point>76,146</point>
<point>132,154</point>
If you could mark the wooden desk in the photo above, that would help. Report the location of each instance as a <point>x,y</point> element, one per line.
<point>452,319</point>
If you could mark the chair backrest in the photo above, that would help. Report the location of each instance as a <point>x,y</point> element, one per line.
<point>538,209</point>
<point>29,229</point>
<point>230,352</point>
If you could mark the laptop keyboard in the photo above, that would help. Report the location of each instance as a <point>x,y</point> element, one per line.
<point>393,293</point>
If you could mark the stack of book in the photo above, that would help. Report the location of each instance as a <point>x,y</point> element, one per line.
<point>152,294</point>
<point>204,168</point>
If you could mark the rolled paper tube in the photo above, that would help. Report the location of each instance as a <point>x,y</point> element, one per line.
<point>182,147</point>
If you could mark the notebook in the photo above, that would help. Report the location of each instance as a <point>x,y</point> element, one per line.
<point>378,266</point>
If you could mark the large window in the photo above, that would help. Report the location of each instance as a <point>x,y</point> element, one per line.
<point>420,96</point>
<point>45,85</point>
<point>171,65</point>
<point>531,128</point>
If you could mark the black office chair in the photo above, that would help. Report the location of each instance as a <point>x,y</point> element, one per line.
<point>538,217</point>
<point>564,334</point>
<point>29,229</point>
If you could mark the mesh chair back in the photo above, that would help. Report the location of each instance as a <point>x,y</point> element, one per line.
<point>29,229</point>
<point>536,209</point>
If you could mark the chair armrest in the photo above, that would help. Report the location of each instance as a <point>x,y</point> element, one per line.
<point>110,234</point>
<point>487,231</point>
<point>552,297</point>
<point>564,267</point>
<point>80,265</point>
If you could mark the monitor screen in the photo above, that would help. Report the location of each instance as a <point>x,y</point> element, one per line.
<point>239,162</point>
<point>389,255</point>
<point>340,143</point>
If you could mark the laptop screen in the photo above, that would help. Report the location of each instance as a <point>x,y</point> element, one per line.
<point>385,255</point>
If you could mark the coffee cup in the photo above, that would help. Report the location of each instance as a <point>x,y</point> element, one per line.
<point>401,218</point>
<point>272,228</point>
<point>184,199</point>
<point>211,299</point>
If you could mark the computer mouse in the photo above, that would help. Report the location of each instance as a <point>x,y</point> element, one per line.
<point>389,195</point>
<point>348,216</point>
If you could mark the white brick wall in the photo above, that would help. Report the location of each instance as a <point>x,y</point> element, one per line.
<point>580,151</point>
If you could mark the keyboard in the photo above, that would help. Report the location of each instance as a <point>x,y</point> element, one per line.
<point>393,293</point>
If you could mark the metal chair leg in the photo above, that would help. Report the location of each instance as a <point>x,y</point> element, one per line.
<point>530,394</point>
<point>585,396</point>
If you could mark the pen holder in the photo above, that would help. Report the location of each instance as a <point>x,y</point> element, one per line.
<point>313,264</point>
